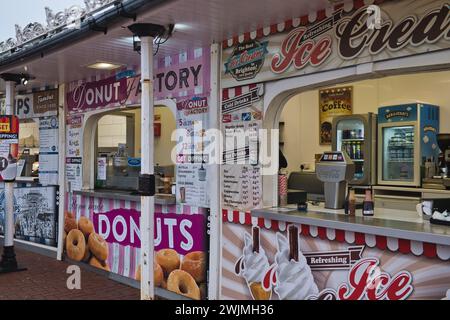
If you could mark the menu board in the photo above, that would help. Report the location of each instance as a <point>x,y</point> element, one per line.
<point>48,150</point>
<point>74,158</point>
<point>242,114</point>
<point>192,162</point>
<point>241,187</point>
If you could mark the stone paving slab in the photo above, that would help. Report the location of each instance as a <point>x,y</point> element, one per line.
<point>46,279</point>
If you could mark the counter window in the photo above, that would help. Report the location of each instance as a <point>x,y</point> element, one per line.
<point>28,148</point>
<point>118,149</point>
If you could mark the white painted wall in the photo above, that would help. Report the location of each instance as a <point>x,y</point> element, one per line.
<point>301,113</point>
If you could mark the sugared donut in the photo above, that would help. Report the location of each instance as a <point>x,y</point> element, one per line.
<point>98,246</point>
<point>157,274</point>
<point>75,245</point>
<point>181,282</point>
<point>70,223</point>
<point>168,259</point>
<point>194,263</point>
<point>99,264</point>
<point>87,255</point>
<point>86,226</point>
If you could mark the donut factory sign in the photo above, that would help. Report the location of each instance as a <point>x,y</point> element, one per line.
<point>343,39</point>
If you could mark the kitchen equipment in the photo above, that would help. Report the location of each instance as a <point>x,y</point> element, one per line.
<point>335,169</point>
<point>356,135</point>
<point>406,139</point>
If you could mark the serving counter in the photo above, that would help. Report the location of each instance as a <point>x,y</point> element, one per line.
<point>338,255</point>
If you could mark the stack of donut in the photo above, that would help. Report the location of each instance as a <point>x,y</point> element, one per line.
<point>185,277</point>
<point>83,244</point>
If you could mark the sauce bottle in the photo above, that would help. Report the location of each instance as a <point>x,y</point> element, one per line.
<point>352,203</point>
<point>368,205</point>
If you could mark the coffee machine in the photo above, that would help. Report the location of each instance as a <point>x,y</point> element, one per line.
<point>443,141</point>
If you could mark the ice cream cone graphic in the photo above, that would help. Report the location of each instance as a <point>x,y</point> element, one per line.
<point>294,277</point>
<point>253,265</point>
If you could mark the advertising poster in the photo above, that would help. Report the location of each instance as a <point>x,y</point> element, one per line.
<point>262,264</point>
<point>106,234</point>
<point>334,40</point>
<point>192,168</point>
<point>48,150</point>
<point>74,150</point>
<point>36,214</point>
<point>242,114</point>
<point>333,102</point>
<point>9,147</point>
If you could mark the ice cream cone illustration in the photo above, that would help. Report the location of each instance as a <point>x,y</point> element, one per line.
<point>254,264</point>
<point>294,277</point>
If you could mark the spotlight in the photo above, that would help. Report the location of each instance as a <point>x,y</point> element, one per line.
<point>24,81</point>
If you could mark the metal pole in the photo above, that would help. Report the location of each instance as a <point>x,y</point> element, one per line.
<point>9,262</point>
<point>147,168</point>
<point>215,247</point>
<point>61,169</point>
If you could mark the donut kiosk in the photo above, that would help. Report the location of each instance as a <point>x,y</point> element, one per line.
<point>103,206</point>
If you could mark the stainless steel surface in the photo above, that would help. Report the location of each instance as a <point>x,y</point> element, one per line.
<point>423,231</point>
<point>161,199</point>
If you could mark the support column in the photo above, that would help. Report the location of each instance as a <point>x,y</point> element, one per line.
<point>215,241</point>
<point>8,262</point>
<point>147,147</point>
<point>147,32</point>
<point>61,169</point>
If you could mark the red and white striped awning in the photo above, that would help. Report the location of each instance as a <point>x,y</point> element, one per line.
<point>405,246</point>
<point>288,25</point>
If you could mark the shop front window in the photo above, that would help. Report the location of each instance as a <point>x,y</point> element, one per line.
<point>118,150</point>
<point>28,149</point>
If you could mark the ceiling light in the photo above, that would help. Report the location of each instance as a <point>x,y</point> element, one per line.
<point>182,26</point>
<point>24,81</point>
<point>104,65</point>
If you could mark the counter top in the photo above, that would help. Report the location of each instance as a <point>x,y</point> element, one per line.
<point>404,225</point>
<point>161,199</point>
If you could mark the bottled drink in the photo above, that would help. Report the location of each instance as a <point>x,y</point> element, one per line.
<point>358,151</point>
<point>354,150</point>
<point>368,205</point>
<point>351,202</point>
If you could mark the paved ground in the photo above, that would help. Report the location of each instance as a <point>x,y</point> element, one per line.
<point>46,279</point>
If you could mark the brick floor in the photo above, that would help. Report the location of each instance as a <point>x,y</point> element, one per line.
<point>45,279</point>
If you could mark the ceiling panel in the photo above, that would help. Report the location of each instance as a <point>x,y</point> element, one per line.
<point>203,21</point>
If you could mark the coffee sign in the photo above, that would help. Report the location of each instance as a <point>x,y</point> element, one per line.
<point>341,40</point>
<point>37,105</point>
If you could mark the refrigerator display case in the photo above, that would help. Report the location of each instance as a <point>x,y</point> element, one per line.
<point>406,139</point>
<point>356,135</point>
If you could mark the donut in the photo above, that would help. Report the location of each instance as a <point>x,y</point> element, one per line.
<point>181,282</point>
<point>168,259</point>
<point>194,263</point>
<point>64,238</point>
<point>202,287</point>
<point>86,226</point>
<point>98,246</point>
<point>99,264</point>
<point>70,224</point>
<point>87,255</point>
<point>75,245</point>
<point>158,274</point>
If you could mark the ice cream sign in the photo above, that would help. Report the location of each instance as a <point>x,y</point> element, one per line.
<point>9,147</point>
<point>290,276</point>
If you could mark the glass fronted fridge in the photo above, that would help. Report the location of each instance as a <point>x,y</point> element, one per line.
<point>406,139</point>
<point>356,135</point>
